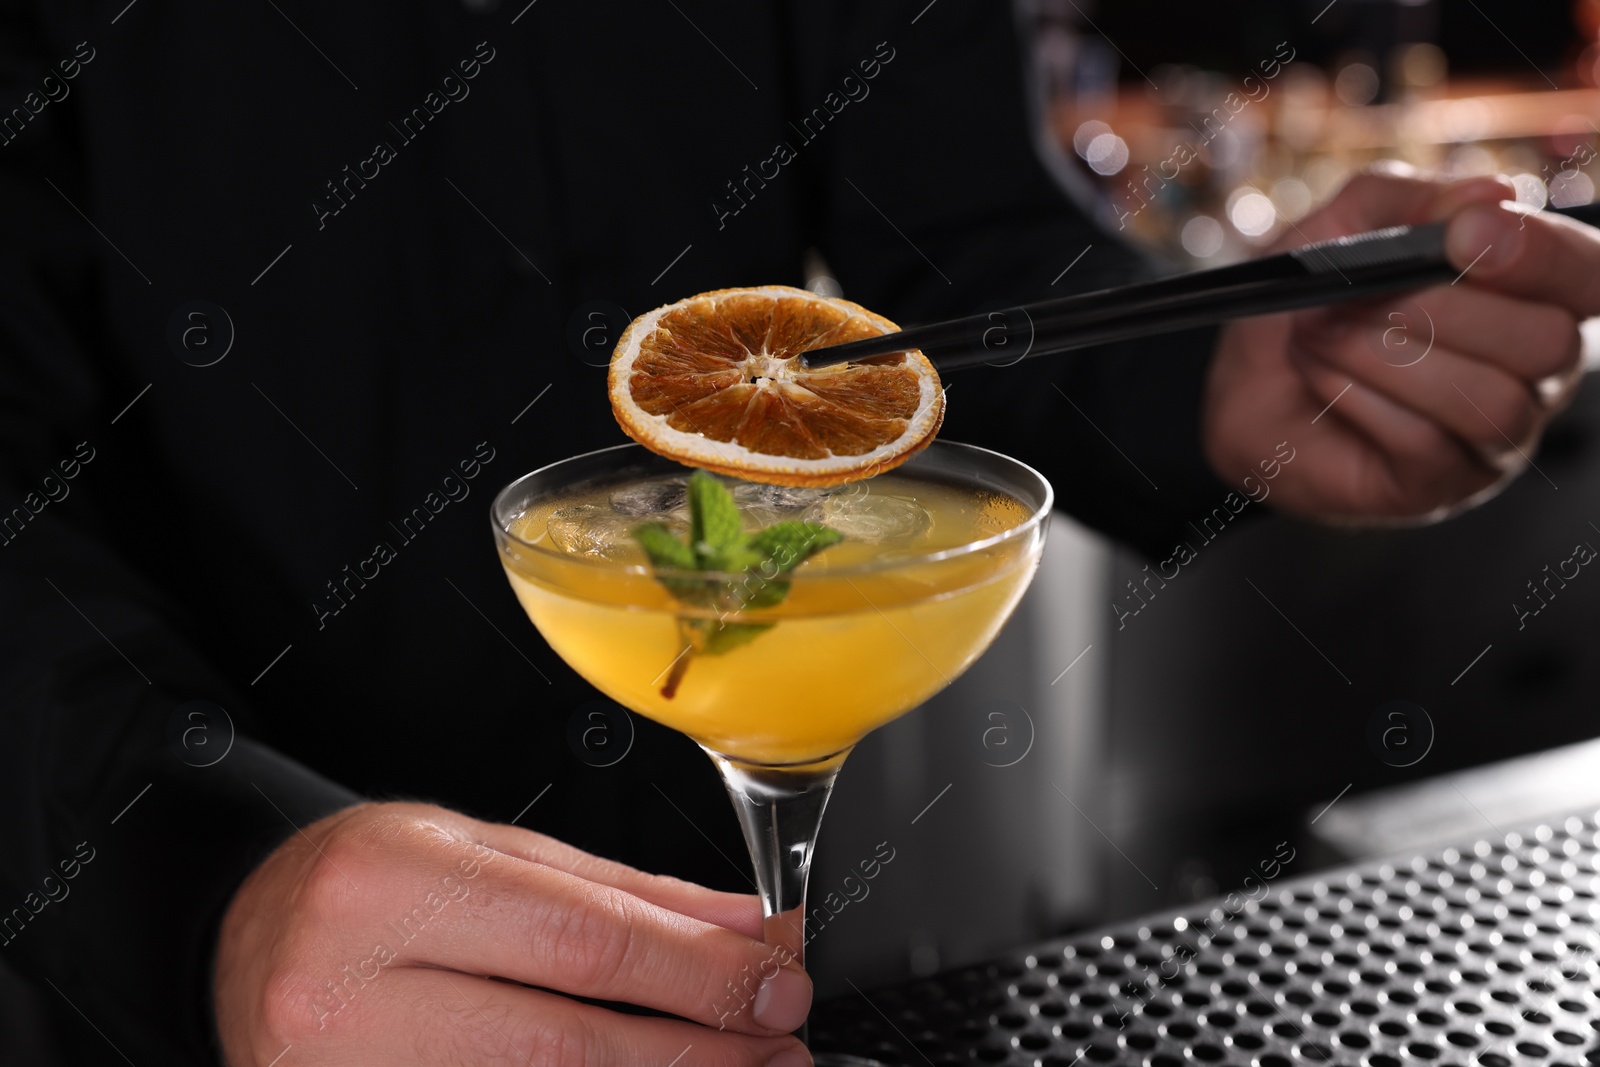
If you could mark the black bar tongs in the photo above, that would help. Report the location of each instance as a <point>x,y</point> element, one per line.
<point>1328,272</point>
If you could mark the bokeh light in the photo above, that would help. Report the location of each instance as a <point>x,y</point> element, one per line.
<point>1292,197</point>
<point>1571,189</point>
<point>1107,154</point>
<point>1202,236</point>
<point>1530,190</point>
<point>1251,213</point>
<point>1356,84</point>
<point>1422,65</point>
<point>1085,134</point>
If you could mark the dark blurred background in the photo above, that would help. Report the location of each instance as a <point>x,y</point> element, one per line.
<point>1319,89</point>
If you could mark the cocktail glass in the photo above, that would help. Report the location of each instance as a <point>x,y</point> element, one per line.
<point>866,630</point>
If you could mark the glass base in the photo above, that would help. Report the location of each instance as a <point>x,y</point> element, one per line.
<point>780,808</point>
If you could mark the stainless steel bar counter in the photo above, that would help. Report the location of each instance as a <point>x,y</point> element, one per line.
<point>1482,953</point>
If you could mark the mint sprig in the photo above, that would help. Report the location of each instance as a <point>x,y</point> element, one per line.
<point>744,569</point>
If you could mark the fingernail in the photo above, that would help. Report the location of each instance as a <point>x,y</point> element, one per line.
<point>790,1057</point>
<point>783,1000</point>
<point>1483,237</point>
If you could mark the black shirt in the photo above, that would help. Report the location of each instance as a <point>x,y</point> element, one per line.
<point>275,277</point>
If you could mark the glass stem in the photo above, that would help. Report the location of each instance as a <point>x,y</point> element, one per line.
<point>780,810</point>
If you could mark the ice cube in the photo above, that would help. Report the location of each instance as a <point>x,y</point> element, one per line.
<point>591,530</point>
<point>756,517</point>
<point>874,518</point>
<point>778,497</point>
<point>654,498</point>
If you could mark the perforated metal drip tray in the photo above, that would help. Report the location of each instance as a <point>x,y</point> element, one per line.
<point>1483,954</point>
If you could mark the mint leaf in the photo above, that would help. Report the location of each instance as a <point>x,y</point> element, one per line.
<point>666,552</point>
<point>746,566</point>
<point>765,592</point>
<point>722,636</point>
<point>786,545</point>
<point>781,548</point>
<point>708,637</point>
<point>715,531</point>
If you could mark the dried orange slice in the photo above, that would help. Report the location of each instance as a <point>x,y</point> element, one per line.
<point>712,381</point>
